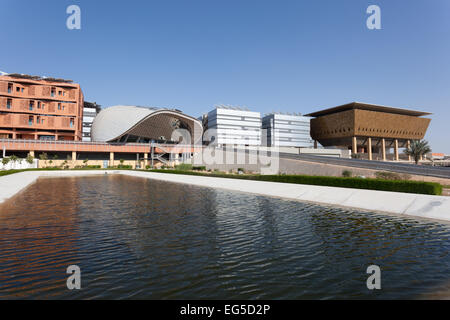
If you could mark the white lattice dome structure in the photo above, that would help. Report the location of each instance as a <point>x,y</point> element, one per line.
<point>141,124</point>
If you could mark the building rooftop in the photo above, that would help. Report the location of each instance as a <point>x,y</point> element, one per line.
<point>369,107</point>
<point>37,78</point>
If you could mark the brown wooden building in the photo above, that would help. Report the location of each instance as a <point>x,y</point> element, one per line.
<point>369,128</point>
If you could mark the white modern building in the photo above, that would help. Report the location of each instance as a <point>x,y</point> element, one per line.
<point>287,130</point>
<point>143,124</point>
<point>234,125</point>
<point>90,111</point>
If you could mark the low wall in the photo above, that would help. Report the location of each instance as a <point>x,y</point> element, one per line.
<point>335,153</point>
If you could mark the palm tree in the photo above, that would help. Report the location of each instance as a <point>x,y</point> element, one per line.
<point>417,149</point>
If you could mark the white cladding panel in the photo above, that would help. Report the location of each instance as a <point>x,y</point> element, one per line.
<point>235,126</point>
<point>288,130</point>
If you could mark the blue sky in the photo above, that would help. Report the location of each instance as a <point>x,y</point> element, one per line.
<point>293,56</point>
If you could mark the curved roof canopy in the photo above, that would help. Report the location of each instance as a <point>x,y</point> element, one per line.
<point>141,124</point>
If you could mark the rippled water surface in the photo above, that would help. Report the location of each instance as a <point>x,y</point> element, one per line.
<point>139,238</point>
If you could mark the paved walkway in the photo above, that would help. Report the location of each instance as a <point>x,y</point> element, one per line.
<point>427,206</point>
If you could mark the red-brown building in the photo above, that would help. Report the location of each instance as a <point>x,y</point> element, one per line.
<point>40,108</point>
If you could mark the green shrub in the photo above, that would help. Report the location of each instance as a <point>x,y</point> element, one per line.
<point>30,159</point>
<point>43,156</point>
<point>356,183</point>
<point>5,161</point>
<point>199,168</point>
<point>347,173</point>
<point>14,158</point>
<point>124,166</point>
<point>183,167</point>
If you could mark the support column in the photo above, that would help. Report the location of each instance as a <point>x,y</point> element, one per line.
<point>74,158</point>
<point>396,149</point>
<point>111,159</point>
<point>369,147</point>
<point>354,146</point>
<point>153,154</point>
<point>383,148</point>
<point>145,159</point>
<point>409,145</point>
<point>315,144</point>
<point>31,153</point>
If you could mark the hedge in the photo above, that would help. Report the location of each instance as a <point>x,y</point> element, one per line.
<point>355,183</point>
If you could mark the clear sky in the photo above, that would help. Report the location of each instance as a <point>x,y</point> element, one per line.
<point>293,56</point>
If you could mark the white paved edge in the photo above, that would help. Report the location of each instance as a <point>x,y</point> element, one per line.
<point>427,206</point>
<point>419,205</point>
<point>12,184</point>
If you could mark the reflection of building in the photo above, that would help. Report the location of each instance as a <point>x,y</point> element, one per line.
<point>287,130</point>
<point>141,124</point>
<point>365,127</point>
<point>32,107</point>
<point>232,125</point>
<point>90,110</point>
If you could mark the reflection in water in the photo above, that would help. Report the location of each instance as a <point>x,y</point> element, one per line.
<point>139,238</point>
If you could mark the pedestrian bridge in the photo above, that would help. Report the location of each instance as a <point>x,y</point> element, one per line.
<point>99,147</point>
